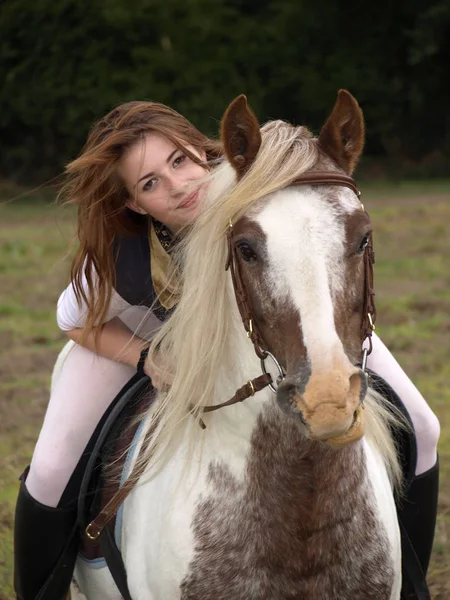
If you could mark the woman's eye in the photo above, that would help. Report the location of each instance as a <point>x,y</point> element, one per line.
<point>363,245</point>
<point>247,253</point>
<point>149,185</point>
<point>179,160</point>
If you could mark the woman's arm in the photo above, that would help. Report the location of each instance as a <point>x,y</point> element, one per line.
<point>70,315</point>
<point>114,341</point>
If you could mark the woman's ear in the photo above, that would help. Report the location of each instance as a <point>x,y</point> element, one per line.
<point>133,205</point>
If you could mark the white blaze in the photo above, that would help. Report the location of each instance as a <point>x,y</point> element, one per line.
<point>312,234</point>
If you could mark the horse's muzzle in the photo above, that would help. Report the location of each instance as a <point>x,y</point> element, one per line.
<point>330,405</point>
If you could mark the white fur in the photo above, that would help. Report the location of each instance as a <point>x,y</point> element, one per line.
<point>313,239</point>
<point>93,583</point>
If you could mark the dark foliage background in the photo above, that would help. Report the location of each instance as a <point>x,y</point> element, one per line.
<point>65,63</point>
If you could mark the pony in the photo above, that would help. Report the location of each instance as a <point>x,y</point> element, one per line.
<point>288,493</point>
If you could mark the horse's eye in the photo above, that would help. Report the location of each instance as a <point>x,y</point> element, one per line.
<point>363,245</point>
<point>247,253</point>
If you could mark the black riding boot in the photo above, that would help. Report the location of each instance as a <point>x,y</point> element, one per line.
<point>45,548</point>
<point>45,538</point>
<point>417,516</point>
<point>418,513</point>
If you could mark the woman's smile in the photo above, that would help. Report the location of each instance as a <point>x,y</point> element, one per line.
<point>190,201</point>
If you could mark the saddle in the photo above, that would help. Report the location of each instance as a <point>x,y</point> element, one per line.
<point>111,449</point>
<point>107,469</point>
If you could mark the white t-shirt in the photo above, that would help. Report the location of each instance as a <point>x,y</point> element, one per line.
<point>140,319</point>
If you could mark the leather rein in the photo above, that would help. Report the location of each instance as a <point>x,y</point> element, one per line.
<point>95,528</point>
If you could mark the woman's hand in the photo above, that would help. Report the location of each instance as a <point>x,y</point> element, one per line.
<point>114,340</point>
<point>158,373</point>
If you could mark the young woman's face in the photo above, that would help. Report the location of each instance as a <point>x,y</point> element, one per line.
<point>159,178</point>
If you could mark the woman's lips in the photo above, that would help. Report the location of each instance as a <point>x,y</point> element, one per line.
<point>190,200</point>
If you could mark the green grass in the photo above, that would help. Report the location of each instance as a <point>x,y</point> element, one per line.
<point>412,282</point>
<point>34,238</point>
<point>385,188</point>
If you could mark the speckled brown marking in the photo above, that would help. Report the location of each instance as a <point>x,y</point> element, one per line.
<point>283,337</point>
<point>300,526</point>
<point>348,309</point>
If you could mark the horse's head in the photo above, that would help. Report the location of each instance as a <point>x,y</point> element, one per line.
<point>299,255</point>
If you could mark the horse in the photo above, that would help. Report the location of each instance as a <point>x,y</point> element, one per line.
<point>286,490</point>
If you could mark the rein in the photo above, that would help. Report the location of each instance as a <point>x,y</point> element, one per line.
<point>95,528</point>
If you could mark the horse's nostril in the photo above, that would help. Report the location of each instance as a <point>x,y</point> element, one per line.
<point>285,393</point>
<point>286,386</point>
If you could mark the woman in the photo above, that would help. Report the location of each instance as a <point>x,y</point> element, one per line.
<point>133,184</point>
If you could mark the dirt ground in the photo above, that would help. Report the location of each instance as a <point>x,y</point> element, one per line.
<point>413,298</point>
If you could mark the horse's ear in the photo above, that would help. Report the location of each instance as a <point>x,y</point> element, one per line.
<point>342,136</point>
<point>241,135</point>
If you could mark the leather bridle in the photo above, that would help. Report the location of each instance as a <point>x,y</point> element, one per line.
<point>244,306</point>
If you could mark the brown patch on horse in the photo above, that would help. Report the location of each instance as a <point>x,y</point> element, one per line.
<point>348,309</point>
<point>342,136</point>
<point>76,587</point>
<point>302,525</point>
<point>285,339</point>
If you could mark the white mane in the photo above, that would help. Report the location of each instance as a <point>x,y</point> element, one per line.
<point>196,343</point>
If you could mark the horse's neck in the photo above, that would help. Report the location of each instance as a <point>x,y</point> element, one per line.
<point>300,505</point>
<point>281,464</point>
<point>316,503</point>
<point>312,482</point>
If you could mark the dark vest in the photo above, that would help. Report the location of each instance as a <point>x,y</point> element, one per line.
<point>133,269</point>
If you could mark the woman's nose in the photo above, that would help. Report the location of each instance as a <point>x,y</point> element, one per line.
<point>177,185</point>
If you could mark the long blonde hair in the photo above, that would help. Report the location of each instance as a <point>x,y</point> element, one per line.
<point>199,346</point>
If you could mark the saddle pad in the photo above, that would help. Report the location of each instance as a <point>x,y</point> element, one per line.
<point>110,465</point>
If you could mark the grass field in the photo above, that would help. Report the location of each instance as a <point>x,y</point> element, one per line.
<point>413,300</point>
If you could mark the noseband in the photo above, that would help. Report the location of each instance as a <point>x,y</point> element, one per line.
<point>251,326</point>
